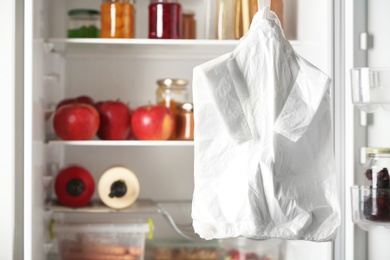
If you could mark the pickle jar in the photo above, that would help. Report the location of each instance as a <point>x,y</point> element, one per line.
<point>165,18</point>
<point>377,168</point>
<point>83,23</point>
<point>117,19</point>
<point>185,122</point>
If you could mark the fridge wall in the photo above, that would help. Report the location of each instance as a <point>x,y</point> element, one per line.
<point>56,69</point>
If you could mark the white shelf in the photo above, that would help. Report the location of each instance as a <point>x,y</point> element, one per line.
<point>122,143</point>
<point>143,48</point>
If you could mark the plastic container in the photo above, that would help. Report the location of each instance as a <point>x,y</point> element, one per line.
<point>248,249</point>
<point>165,19</point>
<point>182,250</point>
<point>371,88</point>
<point>117,19</point>
<point>100,241</point>
<point>83,23</point>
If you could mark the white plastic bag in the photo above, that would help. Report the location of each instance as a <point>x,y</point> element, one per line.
<point>264,162</point>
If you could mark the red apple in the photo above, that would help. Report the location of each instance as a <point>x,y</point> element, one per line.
<point>76,121</point>
<point>114,120</point>
<point>74,186</point>
<point>80,99</point>
<point>152,122</point>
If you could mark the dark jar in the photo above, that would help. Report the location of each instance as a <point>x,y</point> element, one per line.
<point>165,19</point>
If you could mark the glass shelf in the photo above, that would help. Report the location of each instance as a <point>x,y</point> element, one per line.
<point>371,88</point>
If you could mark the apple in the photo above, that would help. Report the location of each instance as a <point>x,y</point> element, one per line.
<point>80,99</point>
<point>74,186</point>
<point>76,121</point>
<point>114,120</point>
<point>152,122</point>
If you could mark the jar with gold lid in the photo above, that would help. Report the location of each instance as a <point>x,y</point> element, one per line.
<point>185,122</point>
<point>171,93</point>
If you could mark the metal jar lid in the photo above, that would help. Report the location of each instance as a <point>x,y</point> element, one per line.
<point>188,107</point>
<point>376,150</point>
<point>172,82</point>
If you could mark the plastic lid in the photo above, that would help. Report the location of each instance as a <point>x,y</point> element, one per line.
<point>101,228</point>
<point>83,11</point>
<point>373,150</point>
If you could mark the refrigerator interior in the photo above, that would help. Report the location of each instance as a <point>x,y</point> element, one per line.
<point>56,68</point>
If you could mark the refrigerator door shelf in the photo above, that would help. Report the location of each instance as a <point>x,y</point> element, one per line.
<point>370,207</point>
<point>371,88</point>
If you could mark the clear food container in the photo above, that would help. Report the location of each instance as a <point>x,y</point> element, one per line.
<point>370,207</point>
<point>83,23</point>
<point>182,250</point>
<point>249,249</point>
<point>100,241</point>
<point>377,168</point>
<point>371,88</point>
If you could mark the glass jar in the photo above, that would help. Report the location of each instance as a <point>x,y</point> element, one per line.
<point>117,19</point>
<point>83,23</point>
<point>189,25</point>
<point>376,202</point>
<point>165,19</point>
<point>377,168</point>
<point>171,93</point>
<point>185,122</point>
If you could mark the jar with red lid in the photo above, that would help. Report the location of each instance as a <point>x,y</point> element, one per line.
<point>117,19</point>
<point>165,19</point>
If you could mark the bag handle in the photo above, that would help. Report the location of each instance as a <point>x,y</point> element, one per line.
<point>264,6</point>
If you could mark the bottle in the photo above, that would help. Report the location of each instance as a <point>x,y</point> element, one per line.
<point>165,19</point>
<point>83,23</point>
<point>117,19</point>
<point>225,19</point>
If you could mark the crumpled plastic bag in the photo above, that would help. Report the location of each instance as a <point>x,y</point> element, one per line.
<point>264,164</point>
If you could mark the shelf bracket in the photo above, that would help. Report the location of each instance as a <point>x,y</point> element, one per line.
<point>366,41</point>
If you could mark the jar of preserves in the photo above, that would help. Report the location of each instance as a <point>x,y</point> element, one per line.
<point>189,25</point>
<point>83,23</point>
<point>376,206</point>
<point>117,19</point>
<point>377,168</point>
<point>171,93</point>
<point>165,19</point>
<point>185,122</point>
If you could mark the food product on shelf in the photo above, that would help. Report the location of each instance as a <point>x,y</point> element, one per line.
<point>84,241</point>
<point>185,122</point>
<point>83,23</point>
<point>152,122</point>
<point>117,19</point>
<point>74,186</point>
<point>188,25</point>
<point>172,93</point>
<point>79,99</point>
<point>118,187</point>
<point>114,120</point>
<point>165,19</point>
<point>376,205</point>
<point>76,121</point>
